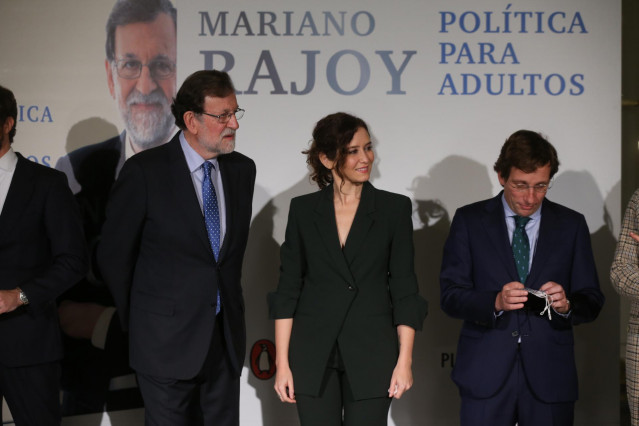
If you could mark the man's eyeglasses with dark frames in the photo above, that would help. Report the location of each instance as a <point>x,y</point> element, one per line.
<point>160,69</point>
<point>224,118</point>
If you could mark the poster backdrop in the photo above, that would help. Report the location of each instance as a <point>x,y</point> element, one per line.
<point>441,84</point>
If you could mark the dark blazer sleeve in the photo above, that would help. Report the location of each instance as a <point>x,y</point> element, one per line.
<point>283,302</point>
<point>409,308</point>
<point>460,296</point>
<point>584,293</point>
<point>119,247</point>
<point>62,226</point>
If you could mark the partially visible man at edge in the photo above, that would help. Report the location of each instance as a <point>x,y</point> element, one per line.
<point>141,75</point>
<point>42,253</point>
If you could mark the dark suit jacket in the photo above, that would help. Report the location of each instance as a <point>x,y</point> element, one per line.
<point>354,297</point>
<point>156,258</point>
<point>42,251</point>
<point>478,261</point>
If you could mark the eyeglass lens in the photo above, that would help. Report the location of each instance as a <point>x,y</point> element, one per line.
<point>132,68</point>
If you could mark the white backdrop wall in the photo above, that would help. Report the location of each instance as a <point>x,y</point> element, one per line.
<point>442,84</point>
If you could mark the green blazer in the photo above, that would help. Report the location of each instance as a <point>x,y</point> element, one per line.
<point>355,296</point>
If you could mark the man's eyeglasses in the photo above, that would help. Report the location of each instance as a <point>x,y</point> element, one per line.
<point>131,69</point>
<point>540,188</point>
<point>224,118</point>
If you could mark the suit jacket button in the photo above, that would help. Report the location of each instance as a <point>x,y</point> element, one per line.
<point>351,288</point>
<point>515,333</point>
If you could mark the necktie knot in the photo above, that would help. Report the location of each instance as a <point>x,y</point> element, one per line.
<point>207,166</point>
<point>521,221</point>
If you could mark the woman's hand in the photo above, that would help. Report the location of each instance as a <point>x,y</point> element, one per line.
<point>284,384</point>
<point>401,381</point>
<point>402,378</point>
<point>283,375</point>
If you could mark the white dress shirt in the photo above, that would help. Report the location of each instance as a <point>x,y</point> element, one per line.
<point>7,168</point>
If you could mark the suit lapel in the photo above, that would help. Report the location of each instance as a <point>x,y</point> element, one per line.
<point>495,225</point>
<point>184,193</point>
<point>327,229</point>
<point>20,192</point>
<point>230,177</point>
<point>549,237</point>
<point>361,223</point>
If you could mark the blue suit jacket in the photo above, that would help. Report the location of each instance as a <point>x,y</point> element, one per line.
<point>478,261</point>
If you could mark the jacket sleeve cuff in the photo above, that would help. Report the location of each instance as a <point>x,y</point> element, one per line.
<point>281,306</point>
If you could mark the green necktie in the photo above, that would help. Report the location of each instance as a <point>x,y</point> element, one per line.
<point>521,247</point>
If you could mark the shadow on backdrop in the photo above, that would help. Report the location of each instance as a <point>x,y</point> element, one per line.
<point>453,182</point>
<point>597,343</point>
<point>260,276</point>
<point>94,379</point>
<point>89,131</point>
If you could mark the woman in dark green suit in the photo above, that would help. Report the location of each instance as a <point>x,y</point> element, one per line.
<point>347,304</point>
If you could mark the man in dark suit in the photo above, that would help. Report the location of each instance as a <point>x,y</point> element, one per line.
<point>42,253</point>
<point>515,359</point>
<point>171,253</point>
<point>140,69</point>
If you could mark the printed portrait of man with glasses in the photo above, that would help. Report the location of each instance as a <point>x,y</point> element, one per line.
<point>141,53</point>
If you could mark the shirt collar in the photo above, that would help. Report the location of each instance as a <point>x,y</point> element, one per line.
<point>128,148</point>
<point>8,161</point>
<point>194,160</point>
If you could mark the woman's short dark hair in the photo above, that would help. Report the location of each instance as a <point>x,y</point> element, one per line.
<point>527,151</point>
<point>331,137</point>
<point>196,88</point>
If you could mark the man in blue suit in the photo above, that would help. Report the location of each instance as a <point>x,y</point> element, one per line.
<point>515,358</point>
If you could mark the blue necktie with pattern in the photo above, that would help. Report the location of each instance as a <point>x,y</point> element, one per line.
<point>521,247</point>
<point>211,216</point>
